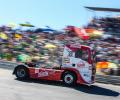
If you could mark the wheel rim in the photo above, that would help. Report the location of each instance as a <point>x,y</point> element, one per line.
<point>21,73</point>
<point>68,79</point>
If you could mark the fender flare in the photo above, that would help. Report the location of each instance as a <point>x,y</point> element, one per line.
<point>72,71</point>
<point>22,65</point>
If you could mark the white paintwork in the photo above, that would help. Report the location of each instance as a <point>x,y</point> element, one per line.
<point>82,66</point>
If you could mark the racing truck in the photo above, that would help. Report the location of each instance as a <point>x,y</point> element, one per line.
<point>78,66</point>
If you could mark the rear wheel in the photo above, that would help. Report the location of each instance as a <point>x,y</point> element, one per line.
<point>21,73</point>
<point>69,78</point>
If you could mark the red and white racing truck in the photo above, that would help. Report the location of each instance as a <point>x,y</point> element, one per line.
<point>78,66</point>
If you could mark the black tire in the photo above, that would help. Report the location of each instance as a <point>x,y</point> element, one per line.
<point>69,78</point>
<point>22,73</point>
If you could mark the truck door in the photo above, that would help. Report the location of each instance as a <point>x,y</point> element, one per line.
<point>84,66</point>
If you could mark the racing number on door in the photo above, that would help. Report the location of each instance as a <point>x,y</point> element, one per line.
<point>70,53</point>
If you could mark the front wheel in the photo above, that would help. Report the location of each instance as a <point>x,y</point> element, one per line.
<point>21,73</point>
<point>69,78</point>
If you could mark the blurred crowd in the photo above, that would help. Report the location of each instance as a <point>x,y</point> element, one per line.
<point>107,24</point>
<point>47,46</point>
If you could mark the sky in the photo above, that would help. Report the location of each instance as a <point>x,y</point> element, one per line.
<point>54,13</point>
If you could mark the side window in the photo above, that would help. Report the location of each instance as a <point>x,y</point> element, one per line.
<point>85,55</point>
<point>82,54</point>
<point>78,53</point>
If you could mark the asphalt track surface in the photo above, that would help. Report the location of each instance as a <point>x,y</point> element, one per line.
<point>13,89</point>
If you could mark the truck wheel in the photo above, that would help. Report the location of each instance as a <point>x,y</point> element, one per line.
<point>69,78</point>
<point>21,73</point>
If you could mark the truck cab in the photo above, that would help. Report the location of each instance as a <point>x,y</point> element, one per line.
<point>81,58</point>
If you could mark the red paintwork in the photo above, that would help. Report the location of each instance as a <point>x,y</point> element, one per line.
<point>54,74</point>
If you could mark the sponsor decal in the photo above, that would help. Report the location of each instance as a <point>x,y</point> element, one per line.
<point>70,53</point>
<point>81,64</point>
<point>36,70</point>
<point>42,74</point>
<point>86,75</point>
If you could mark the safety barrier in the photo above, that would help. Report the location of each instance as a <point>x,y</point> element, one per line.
<point>108,79</point>
<point>7,64</point>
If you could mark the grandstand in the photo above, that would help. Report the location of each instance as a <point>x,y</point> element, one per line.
<point>110,25</point>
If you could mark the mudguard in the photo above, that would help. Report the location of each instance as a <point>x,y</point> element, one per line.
<point>22,65</point>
